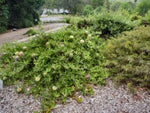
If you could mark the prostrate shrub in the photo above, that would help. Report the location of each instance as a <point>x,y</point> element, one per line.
<point>55,66</point>
<point>128,57</point>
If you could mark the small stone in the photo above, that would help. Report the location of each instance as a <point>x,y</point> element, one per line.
<point>1,84</point>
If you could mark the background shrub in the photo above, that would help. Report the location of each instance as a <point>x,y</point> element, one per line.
<point>143,7</point>
<point>107,23</point>
<point>127,6</point>
<point>128,57</point>
<point>109,26</point>
<point>88,9</point>
<point>115,5</point>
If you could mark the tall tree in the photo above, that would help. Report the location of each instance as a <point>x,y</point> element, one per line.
<point>23,13</point>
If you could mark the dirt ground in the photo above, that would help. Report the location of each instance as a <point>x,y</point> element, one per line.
<point>12,36</point>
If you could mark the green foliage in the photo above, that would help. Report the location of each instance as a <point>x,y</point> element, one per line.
<point>143,7</point>
<point>55,66</point>
<point>127,6</point>
<point>98,9</point>
<point>88,9</point>
<point>3,16</point>
<point>97,3</point>
<point>115,5</point>
<point>109,26</point>
<point>32,32</point>
<point>147,17</point>
<point>128,58</point>
<point>107,23</point>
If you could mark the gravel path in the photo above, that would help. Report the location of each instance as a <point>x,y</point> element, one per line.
<point>107,99</point>
<point>11,102</point>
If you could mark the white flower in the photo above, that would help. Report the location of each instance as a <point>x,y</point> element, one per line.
<point>17,53</point>
<point>37,79</point>
<point>34,55</point>
<point>62,45</point>
<point>21,53</point>
<point>89,36</point>
<point>4,53</point>
<point>16,57</point>
<point>47,44</point>
<point>24,48</point>
<point>28,89</point>
<point>44,73</point>
<point>19,90</point>
<point>86,32</point>
<point>4,78</point>
<point>81,41</point>
<point>71,54</point>
<point>54,88</point>
<point>71,36</point>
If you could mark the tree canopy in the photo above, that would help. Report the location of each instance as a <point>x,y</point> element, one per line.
<point>19,13</point>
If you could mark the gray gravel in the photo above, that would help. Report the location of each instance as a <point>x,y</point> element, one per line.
<point>107,99</point>
<point>12,102</point>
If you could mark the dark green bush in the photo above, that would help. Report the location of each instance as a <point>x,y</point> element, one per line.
<point>127,6</point>
<point>115,6</point>
<point>88,9</point>
<point>128,57</point>
<point>109,27</point>
<point>143,7</point>
<point>3,16</point>
<point>23,13</point>
<point>107,24</point>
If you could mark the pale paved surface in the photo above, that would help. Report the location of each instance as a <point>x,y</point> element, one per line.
<point>19,34</point>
